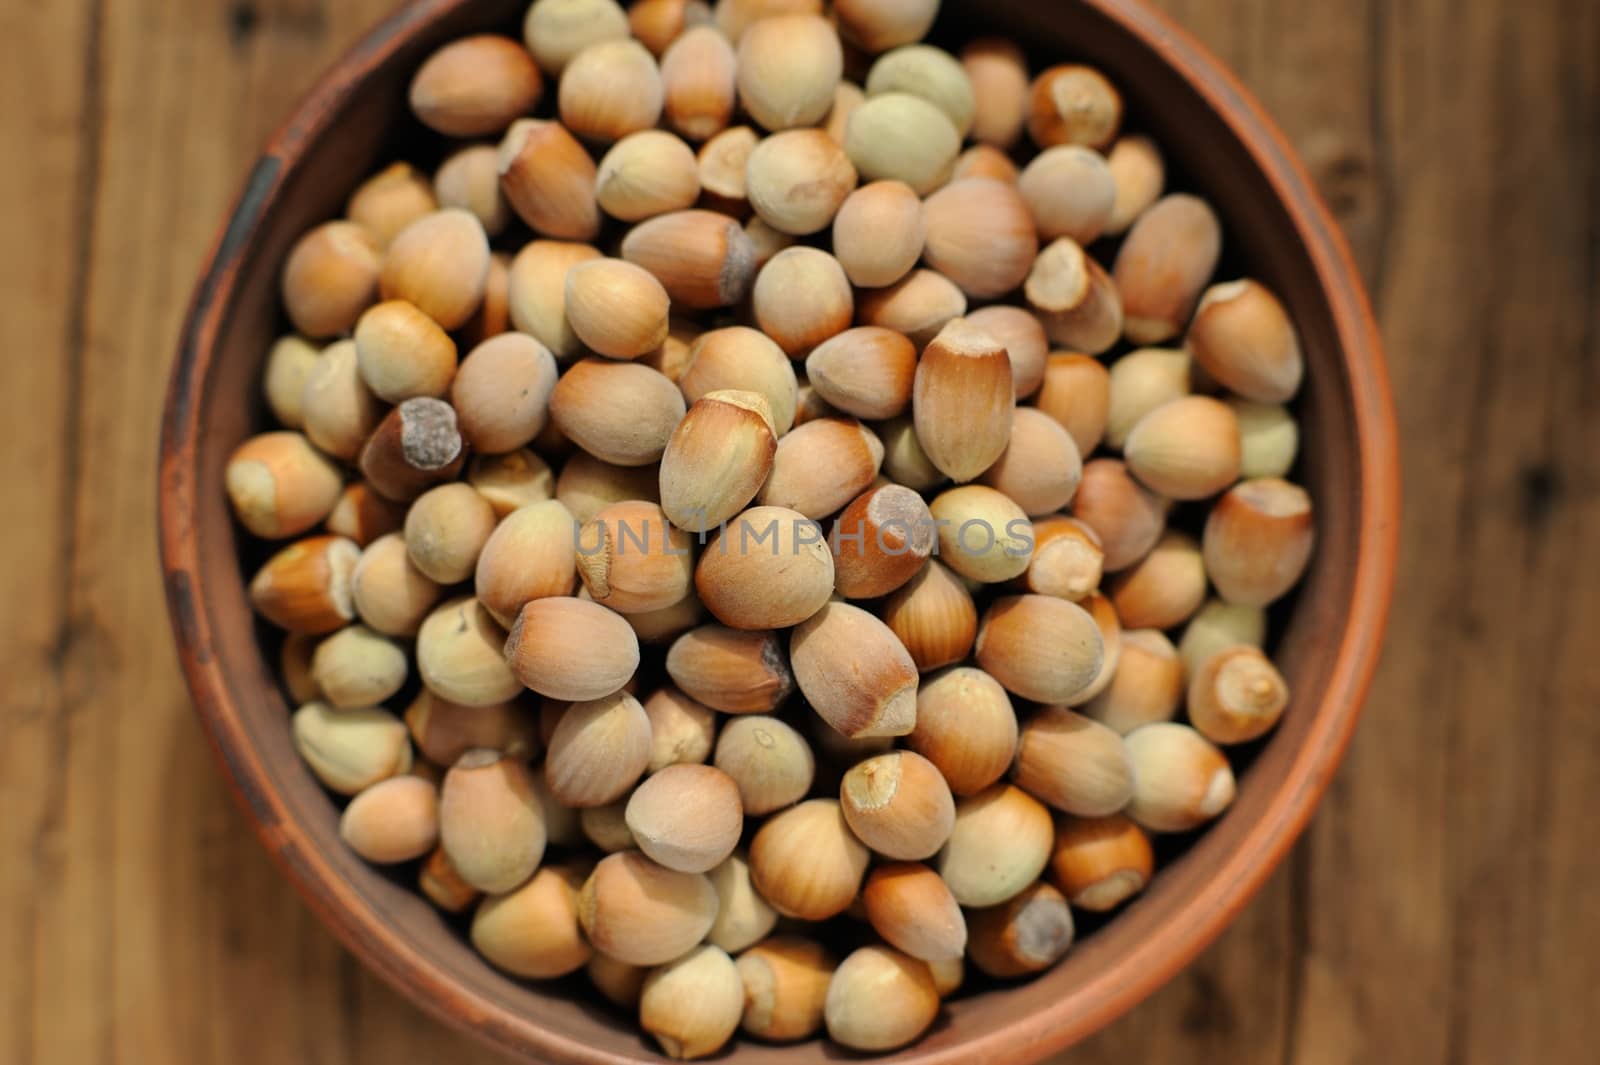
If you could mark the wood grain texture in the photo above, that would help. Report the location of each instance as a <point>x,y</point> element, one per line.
<point>1438,911</point>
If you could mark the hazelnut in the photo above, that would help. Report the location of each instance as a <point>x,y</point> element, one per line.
<point>966,727</point>
<point>918,305</point>
<point>743,916</point>
<point>565,648</point>
<point>283,382</point>
<point>717,459</point>
<point>444,731</point>
<point>687,817</point>
<point>979,234</point>
<point>788,67</point>
<point>446,530</point>
<point>735,672</point>
<point>501,394</point>
<point>742,359</point>
<point>1164,263</point>
<point>350,750</point>
<point>281,486</point>
<point>880,999</point>
<point>912,909</point>
<point>902,137</point>
<point>878,25</point>
<point>394,820</point>
<point>785,987</point>
<point>330,277</point>
<point>704,259</point>
<point>599,750</point>
<point>1217,626</point>
<point>1000,844</point>
<point>459,655</point>
<point>768,568</point>
<point>1026,935</point>
<point>983,535</point>
<point>1236,696</point>
<point>490,821</point>
<point>1068,559</point>
<point>693,1005</point>
<point>962,400</point>
<point>1076,393</point>
<point>557,30</point>
<point>1140,176</point>
<point>881,541</point>
<point>532,554</point>
<point>899,805</point>
<point>1258,540</point>
<point>1073,763</point>
<point>390,200</point>
<point>1147,686</point>
<point>682,730</point>
<point>536,294</point>
<point>1188,448</point>
<point>1074,104</point>
<point>358,667</point>
<point>1242,336</point>
<point>855,672</point>
<point>878,233</point>
<point>1040,467</point>
<point>645,174</point>
<point>697,76</point>
<point>1163,589</point>
<point>1079,303</point>
<point>1100,863</point>
<point>821,466</point>
<point>642,913</point>
<point>797,179</point>
<point>616,308</point>
<point>475,86</point>
<point>532,931</point>
<point>1021,333</point>
<point>931,73</point>
<point>622,413</point>
<point>1070,192</point>
<point>864,371</point>
<point>769,761</point>
<point>440,263</point>
<point>997,70</point>
<point>805,862</point>
<point>610,89</point>
<point>1180,780</point>
<point>340,411</point>
<point>306,587</point>
<point>587,485</point>
<point>470,179</point>
<point>801,298</point>
<point>548,179</point>
<point>934,617</point>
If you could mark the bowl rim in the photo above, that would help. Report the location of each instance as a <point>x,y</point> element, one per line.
<point>1108,994</point>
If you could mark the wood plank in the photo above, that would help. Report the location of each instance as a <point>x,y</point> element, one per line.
<point>1434,914</point>
<point>163,932</point>
<point>48,78</point>
<point>1431,862</point>
<point>1241,999</point>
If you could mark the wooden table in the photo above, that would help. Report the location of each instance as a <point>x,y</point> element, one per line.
<point>1441,909</point>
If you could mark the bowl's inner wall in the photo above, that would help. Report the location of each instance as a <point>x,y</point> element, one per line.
<point>1260,238</point>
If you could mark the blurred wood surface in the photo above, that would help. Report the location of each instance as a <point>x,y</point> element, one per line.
<point>1439,911</point>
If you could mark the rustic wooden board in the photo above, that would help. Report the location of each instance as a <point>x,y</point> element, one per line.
<point>1439,910</point>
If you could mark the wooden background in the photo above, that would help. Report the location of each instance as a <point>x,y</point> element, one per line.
<point>1441,909</point>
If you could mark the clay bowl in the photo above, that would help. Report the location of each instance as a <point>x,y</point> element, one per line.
<point>1221,144</point>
